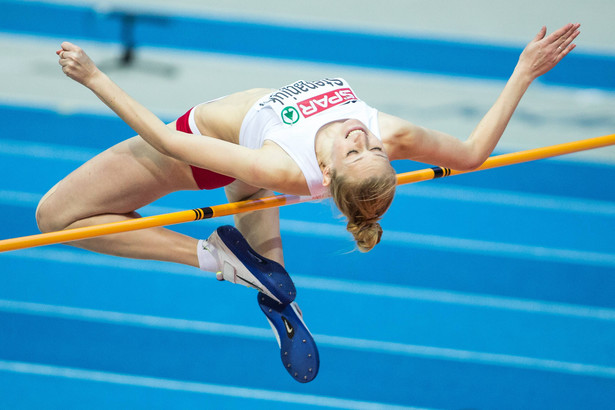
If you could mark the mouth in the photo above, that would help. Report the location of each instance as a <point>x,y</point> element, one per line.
<point>354,131</point>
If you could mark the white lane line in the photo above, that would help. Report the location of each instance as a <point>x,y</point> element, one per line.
<point>516,199</point>
<point>439,353</point>
<point>333,285</point>
<point>425,241</point>
<point>192,387</point>
<point>477,195</point>
<point>19,198</point>
<point>454,298</point>
<point>157,322</point>
<point>58,255</point>
<point>374,346</point>
<point>46,151</point>
<point>464,245</point>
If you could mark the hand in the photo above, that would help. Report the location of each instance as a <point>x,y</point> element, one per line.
<point>543,53</point>
<point>76,64</point>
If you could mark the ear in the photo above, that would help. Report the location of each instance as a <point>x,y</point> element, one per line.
<point>326,176</point>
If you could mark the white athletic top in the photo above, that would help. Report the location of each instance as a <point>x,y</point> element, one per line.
<point>292,115</point>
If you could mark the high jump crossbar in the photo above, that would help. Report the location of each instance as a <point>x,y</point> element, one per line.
<point>215,211</point>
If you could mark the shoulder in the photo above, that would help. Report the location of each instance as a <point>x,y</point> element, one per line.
<point>222,118</point>
<point>399,136</point>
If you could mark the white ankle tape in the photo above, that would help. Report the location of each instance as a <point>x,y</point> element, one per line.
<point>207,255</point>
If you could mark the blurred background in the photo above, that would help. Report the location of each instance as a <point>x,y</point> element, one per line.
<point>489,290</point>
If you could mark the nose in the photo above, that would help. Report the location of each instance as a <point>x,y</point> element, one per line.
<point>358,136</point>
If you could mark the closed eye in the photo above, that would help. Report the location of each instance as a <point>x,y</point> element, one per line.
<point>376,149</point>
<point>354,151</point>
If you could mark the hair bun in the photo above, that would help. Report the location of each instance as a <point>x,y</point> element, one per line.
<point>367,234</point>
<point>363,201</point>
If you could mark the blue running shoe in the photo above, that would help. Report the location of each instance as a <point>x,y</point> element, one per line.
<point>239,263</point>
<point>297,347</point>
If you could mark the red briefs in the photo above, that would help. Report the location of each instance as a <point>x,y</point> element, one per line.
<point>204,178</point>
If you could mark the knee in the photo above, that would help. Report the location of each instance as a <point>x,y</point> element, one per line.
<point>240,191</point>
<point>261,193</point>
<point>47,218</point>
<point>43,221</point>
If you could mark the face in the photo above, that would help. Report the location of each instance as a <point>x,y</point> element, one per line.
<point>353,150</point>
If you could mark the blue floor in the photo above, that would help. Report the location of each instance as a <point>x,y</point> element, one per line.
<point>489,290</point>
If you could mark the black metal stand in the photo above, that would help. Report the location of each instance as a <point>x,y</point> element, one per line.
<point>129,18</point>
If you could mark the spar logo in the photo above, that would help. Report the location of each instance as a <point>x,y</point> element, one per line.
<point>322,102</point>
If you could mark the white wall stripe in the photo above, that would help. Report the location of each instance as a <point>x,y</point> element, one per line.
<point>193,387</point>
<point>375,346</point>
<point>333,285</point>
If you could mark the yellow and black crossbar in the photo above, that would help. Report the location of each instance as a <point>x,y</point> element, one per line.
<point>173,218</point>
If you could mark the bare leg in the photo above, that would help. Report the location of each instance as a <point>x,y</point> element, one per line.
<point>153,243</point>
<point>262,231</point>
<point>109,188</point>
<point>260,228</point>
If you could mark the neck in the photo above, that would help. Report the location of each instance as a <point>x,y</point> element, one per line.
<point>322,148</point>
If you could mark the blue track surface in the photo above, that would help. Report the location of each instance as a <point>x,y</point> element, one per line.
<point>489,290</point>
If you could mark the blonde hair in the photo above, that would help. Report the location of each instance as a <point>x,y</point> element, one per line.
<point>364,202</point>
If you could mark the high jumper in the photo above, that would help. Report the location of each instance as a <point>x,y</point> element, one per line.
<point>313,138</point>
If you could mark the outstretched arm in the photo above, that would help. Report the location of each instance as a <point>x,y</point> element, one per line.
<point>210,153</point>
<point>409,141</point>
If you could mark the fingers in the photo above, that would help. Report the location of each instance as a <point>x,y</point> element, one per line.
<point>541,34</point>
<point>567,45</point>
<point>75,63</point>
<point>566,50</point>
<point>560,36</point>
<point>564,42</point>
<point>67,49</point>
<point>560,42</point>
<point>68,46</point>
<point>545,52</point>
<point>565,30</point>
<point>64,59</point>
